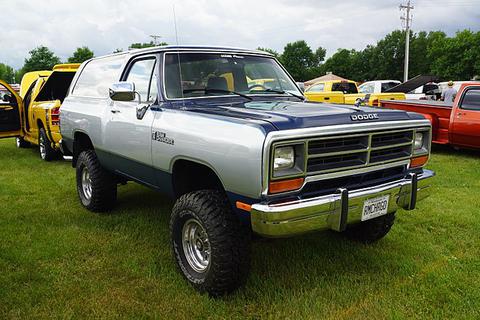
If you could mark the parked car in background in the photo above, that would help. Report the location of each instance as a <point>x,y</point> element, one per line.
<point>377,86</point>
<point>456,123</point>
<point>428,91</point>
<point>238,153</point>
<point>346,92</point>
<point>35,119</point>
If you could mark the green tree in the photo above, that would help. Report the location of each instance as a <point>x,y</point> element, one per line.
<point>41,58</point>
<point>80,55</point>
<point>340,63</point>
<point>301,62</point>
<point>456,58</point>
<point>7,73</point>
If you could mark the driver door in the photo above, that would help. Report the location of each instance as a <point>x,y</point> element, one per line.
<point>11,108</point>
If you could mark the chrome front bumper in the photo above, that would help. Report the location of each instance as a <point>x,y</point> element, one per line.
<point>335,211</point>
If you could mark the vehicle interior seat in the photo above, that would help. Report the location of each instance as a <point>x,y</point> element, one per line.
<point>217,83</point>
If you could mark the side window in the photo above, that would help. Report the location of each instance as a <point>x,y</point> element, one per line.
<point>97,76</point>
<point>366,88</point>
<point>471,100</point>
<point>387,85</point>
<point>317,88</point>
<point>142,73</point>
<point>5,96</point>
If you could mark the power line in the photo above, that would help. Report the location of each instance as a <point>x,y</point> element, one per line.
<point>407,19</point>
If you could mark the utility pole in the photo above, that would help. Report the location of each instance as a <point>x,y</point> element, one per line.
<point>407,19</point>
<point>155,39</point>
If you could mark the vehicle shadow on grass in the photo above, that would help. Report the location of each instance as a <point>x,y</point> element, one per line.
<point>291,265</point>
<point>449,150</point>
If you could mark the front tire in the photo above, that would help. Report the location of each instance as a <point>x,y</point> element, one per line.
<point>371,230</point>
<point>47,153</point>
<point>96,187</point>
<point>210,245</point>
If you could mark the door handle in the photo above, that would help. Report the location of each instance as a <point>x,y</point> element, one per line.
<point>115,110</point>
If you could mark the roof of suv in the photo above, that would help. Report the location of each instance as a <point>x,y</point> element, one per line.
<point>186,48</point>
<point>195,47</point>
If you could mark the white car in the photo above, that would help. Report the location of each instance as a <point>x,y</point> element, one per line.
<point>428,91</point>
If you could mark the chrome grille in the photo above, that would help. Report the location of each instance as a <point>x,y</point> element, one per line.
<point>331,154</point>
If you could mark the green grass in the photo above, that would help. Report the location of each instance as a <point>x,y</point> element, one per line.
<point>58,260</point>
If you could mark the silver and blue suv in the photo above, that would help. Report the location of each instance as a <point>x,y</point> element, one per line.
<point>228,134</point>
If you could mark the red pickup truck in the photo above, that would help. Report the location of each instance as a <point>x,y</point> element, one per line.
<point>456,123</point>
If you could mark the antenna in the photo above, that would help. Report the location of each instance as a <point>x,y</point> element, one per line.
<point>178,56</point>
<point>175,24</point>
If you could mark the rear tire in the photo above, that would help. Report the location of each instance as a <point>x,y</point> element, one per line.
<point>47,153</point>
<point>371,230</point>
<point>210,245</point>
<point>21,143</point>
<point>96,187</point>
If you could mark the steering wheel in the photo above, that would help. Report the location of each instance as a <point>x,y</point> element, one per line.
<point>257,86</point>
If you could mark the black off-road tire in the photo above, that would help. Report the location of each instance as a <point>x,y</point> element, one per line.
<point>371,230</point>
<point>47,153</point>
<point>103,185</point>
<point>21,143</point>
<point>229,242</point>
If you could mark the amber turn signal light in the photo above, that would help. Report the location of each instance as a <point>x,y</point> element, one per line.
<point>243,206</point>
<point>285,185</point>
<point>418,161</point>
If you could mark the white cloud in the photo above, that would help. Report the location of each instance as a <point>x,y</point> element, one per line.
<point>63,25</point>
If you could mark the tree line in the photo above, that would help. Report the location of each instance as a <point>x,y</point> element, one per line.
<point>431,53</point>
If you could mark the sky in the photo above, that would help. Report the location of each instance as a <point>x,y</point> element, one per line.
<point>103,26</point>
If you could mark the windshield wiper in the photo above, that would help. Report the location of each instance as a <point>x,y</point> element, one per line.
<point>287,92</point>
<point>213,90</point>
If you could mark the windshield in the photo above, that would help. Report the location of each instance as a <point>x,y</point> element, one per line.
<point>219,74</point>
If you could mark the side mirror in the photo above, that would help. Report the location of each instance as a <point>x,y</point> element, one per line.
<point>122,91</point>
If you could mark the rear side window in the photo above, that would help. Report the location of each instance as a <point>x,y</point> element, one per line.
<point>142,74</point>
<point>97,76</point>
<point>367,88</point>
<point>345,87</point>
<point>471,100</point>
<point>388,85</point>
<point>316,88</point>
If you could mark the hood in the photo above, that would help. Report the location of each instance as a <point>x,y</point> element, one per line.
<point>285,115</point>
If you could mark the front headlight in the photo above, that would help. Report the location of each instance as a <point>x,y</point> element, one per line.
<point>419,139</point>
<point>284,158</point>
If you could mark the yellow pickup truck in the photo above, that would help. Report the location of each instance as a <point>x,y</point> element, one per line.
<point>33,115</point>
<point>346,92</point>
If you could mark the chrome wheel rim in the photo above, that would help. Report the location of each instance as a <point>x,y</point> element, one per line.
<point>43,149</point>
<point>86,184</point>
<point>196,245</point>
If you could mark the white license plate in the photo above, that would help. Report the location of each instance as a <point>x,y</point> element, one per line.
<point>375,207</point>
